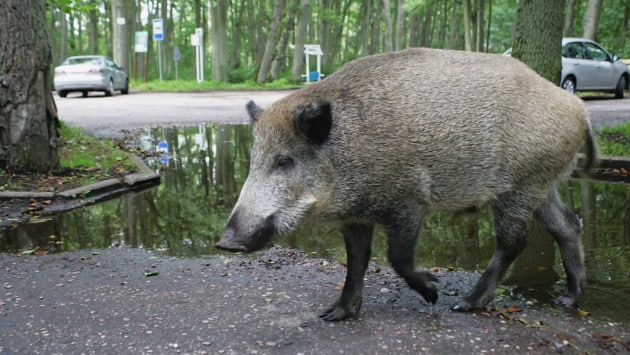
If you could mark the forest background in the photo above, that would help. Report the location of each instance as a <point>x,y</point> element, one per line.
<point>248,40</point>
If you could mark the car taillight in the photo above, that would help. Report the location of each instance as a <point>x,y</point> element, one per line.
<point>96,71</point>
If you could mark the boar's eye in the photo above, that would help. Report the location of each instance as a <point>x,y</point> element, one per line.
<point>283,162</point>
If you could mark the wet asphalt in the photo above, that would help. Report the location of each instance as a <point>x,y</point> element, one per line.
<point>134,301</point>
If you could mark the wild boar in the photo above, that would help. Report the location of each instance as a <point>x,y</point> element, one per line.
<point>388,138</point>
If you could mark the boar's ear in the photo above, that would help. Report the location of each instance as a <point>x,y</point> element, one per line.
<point>313,121</point>
<point>254,111</point>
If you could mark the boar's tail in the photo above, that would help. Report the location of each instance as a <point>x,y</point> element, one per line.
<point>589,159</point>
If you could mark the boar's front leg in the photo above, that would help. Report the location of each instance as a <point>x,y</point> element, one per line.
<point>358,240</point>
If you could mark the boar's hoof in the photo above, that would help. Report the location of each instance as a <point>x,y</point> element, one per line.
<point>462,306</point>
<point>422,282</point>
<point>339,312</point>
<point>567,301</point>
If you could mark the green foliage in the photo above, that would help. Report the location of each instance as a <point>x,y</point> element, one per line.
<point>193,85</point>
<point>615,140</point>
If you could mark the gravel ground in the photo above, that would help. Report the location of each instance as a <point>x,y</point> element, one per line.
<point>102,302</point>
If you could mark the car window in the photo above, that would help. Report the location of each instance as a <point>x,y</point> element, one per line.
<point>596,52</point>
<point>575,50</point>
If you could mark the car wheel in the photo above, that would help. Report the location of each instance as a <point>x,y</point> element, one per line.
<point>84,93</point>
<point>620,88</point>
<point>62,93</point>
<point>569,85</point>
<point>109,91</point>
<point>125,90</point>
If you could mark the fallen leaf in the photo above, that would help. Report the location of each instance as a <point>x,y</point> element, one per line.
<point>340,287</point>
<point>514,309</point>
<point>584,313</point>
<point>435,269</point>
<point>151,273</point>
<point>523,320</point>
<point>40,252</point>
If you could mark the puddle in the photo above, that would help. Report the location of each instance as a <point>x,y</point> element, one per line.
<point>204,167</point>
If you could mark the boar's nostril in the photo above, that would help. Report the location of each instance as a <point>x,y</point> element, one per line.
<point>229,246</point>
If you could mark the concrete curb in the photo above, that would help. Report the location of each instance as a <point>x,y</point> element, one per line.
<point>97,191</point>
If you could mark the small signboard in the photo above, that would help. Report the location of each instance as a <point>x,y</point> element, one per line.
<point>158,29</point>
<point>141,43</point>
<point>177,54</point>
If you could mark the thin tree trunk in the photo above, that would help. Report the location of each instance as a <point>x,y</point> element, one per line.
<point>387,14</point>
<point>467,26</point>
<point>300,38</point>
<point>569,19</point>
<point>454,24</point>
<point>265,64</point>
<point>219,41</point>
<point>63,36</point>
<point>400,24</point>
<point>479,45</point>
<point>591,18</point>
<point>281,52</point>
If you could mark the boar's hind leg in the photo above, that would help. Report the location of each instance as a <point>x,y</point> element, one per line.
<point>564,226</point>
<point>512,213</point>
<point>401,242</point>
<point>358,240</point>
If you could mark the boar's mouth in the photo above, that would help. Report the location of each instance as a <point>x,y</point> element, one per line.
<point>234,240</point>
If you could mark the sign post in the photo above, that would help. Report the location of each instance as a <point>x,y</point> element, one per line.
<point>177,56</point>
<point>196,40</point>
<point>158,35</point>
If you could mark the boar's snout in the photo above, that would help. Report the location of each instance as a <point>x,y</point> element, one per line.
<point>238,237</point>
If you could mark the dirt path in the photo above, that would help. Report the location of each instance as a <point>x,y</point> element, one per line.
<point>101,302</point>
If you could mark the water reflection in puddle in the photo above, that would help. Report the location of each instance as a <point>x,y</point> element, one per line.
<point>204,167</point>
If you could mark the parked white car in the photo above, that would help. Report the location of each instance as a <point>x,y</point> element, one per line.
<point>90,73</point>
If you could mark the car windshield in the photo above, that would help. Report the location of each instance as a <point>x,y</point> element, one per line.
<point>82,60</point>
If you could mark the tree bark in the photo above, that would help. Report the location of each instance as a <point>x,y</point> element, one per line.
<point>387,14</point>
<point>219,41</point>
<point>93,29</point>
<point>28,115</point>
<point>300,39</point>
<point>400,24</point>
<point>265,63</point>
<point>467,26</point>
<point>538,36</point>
<point>281,52</point>
<point>122,15</point>
<point>591,18</point>
<point>569,19</point>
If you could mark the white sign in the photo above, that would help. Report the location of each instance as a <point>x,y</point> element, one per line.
<point>141,44</point>
<point>120,20</point>
<point>158,29</point>
<point>194,40</point>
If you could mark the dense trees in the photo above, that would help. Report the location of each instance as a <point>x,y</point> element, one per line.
<point>254,40</point>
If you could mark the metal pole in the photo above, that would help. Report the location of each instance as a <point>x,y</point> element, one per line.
<point>160,59</point>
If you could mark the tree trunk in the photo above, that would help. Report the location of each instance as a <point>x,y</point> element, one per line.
<point>265,63</point>
<point>400,24</point>
<point>122,15</point>
<point>219,41</point>
<point>454,24</point>
<point>93,29</point>
<point>300,39</point>
<point>281,52</point>
<point>467,26</point>
<point>479,45</point>
<point>28,115</point>
<point>623,26</point>
<point>538,36</point>
<point>569,19</point>
<point>63,36</point>
<point>387,14</point>
<point>591,18</point>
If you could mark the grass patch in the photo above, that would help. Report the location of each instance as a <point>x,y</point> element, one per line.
<point>193,85</point>
<point>615,140</point>
<point>96,158</point>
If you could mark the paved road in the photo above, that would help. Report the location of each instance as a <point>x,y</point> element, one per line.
<point>107,116</point>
